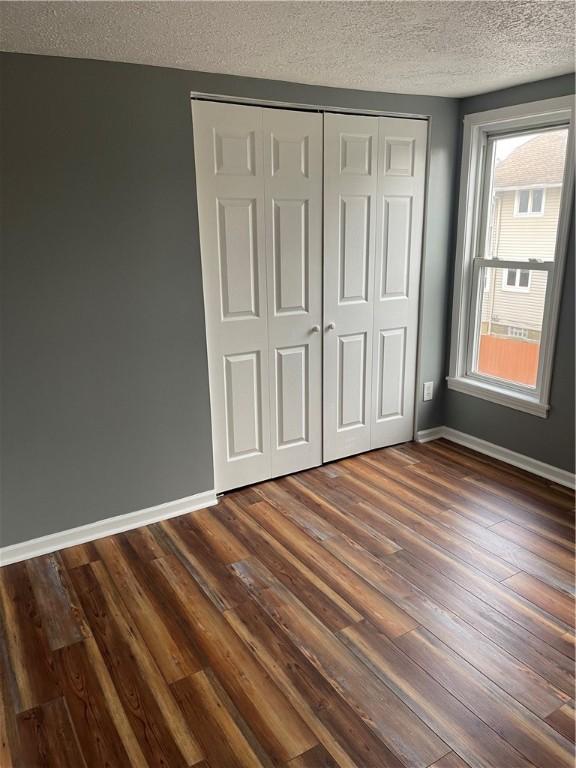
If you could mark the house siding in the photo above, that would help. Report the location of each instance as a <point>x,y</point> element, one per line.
<point>521,237</point>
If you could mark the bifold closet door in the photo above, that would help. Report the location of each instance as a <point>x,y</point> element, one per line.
<point>259,189</point>
<point>350,188</point>
<point>374,174</point>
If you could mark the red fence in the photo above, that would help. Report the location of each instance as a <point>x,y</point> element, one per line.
<point>510,359</point>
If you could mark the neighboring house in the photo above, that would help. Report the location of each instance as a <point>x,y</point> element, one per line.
<point>526,205</point>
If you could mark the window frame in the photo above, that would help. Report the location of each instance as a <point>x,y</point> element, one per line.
<point>480,131</point>
<point>530,213</point>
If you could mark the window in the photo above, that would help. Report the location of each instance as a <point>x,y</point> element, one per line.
<point>518,333</point>
<point>529,202</point>
<point>516,164</point>
<point>516,279</point>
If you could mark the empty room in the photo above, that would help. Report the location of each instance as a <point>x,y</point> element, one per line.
<point>287,384</point>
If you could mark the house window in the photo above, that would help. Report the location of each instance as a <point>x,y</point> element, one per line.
<point>529,202</point>
<point>517,333</point>
<point>516,161</point>
<point>516,280</point>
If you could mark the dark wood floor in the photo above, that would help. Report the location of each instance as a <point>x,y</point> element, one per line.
<point>407,607</point>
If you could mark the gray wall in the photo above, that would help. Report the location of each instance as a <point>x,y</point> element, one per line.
<point>550,440</point>
<point>105,385</point>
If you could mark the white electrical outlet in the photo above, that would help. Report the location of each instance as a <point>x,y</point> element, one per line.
<point>428,390</point>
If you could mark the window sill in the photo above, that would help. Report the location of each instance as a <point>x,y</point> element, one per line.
<point>494,394</point>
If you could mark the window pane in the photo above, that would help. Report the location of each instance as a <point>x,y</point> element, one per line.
<point>511,277</point>
<point>509,326</point>
<point>537,198</point>
<point>524,195</point>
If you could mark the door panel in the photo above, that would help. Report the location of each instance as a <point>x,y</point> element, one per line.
<point>350,186</point>
<point>230,188</point>
<point>243,405</point>
<point>397,274</point>
<point>351,380</point>
<point>293,200</point>
<point>238,258</point>
<point>290,252</point>
<point>292,396</point>
<point>354,248</point>
<point>259,179</point>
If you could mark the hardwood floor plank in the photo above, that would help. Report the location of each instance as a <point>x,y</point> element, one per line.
<point>444,490</point>
<point>451,760</point>
<point>310,493</point>
<point>361,595</point>
<point>62,617</point>
<point>145,696</point>
<point>314,758</point>
<point>81,554</point>
<point>276,724</point>
<point>26,642</point>
<point>530,688</point>
<point>456,725</point>
<point>503,474</point>
<point>563,721</point>
<point>224,545</point>
<point>10,747</point>
<point>369,486</point>
<point>561,555</point>
<point>153,617</point>
<point>48,738</point>
<point>222,741</point>
<point>323,601</point>
<point>329,716</point>
<point>96,725</point>
<point>543,595</point>
<point>549,663</point>
<point>214,578</point>
<point>524,612</point>
<point>517,724</point>
<point>390,719</point>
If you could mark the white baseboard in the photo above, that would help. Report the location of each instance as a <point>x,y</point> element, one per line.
<point>554,474</point>
<point>97,530</point>
<point>425,435</point>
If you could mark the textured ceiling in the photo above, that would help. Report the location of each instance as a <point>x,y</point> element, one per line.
<point>447,48</point>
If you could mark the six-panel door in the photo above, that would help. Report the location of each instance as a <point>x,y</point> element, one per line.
<point>350,187</point>
<point>374,174</point>
<point>295,381</point>
<point>400,208</point>
<point>259,182</point>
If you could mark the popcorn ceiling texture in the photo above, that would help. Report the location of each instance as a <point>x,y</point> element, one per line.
<point>447,48</point>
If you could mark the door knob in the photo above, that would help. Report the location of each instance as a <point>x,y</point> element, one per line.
<point>330,326</point>
<point>315,329</point>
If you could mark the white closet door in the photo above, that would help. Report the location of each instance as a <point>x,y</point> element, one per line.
<point>259,188</point>
<point>350,187</point>
<point>228,145</point>
<point>401,160</point>
<point>293,212</point>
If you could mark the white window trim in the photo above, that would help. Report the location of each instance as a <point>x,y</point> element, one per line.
<point>529,214</point>
<point>515,288</point>
<point>477,127</point>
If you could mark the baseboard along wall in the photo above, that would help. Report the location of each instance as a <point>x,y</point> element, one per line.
<point>540,468</point>
<point>100,528</point>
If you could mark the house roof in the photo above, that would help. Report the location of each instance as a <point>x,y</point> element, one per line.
<point>538,161</point>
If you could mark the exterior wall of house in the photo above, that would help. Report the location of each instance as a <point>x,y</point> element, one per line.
<point>532,237</point>
<point>520,237</point>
